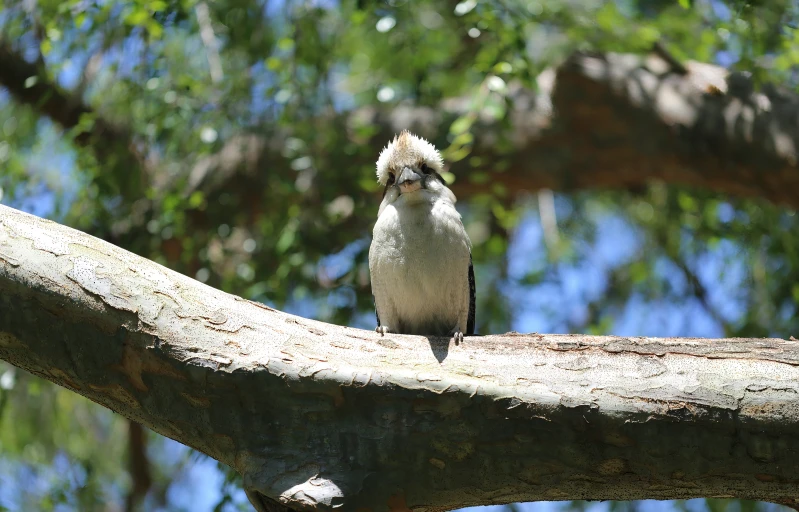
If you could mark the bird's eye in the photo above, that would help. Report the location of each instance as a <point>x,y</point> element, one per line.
<point>425,168</point>
<point>391,178</point>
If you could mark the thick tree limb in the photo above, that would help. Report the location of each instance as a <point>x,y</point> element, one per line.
<point>631,119</point>
<point>318,416</point>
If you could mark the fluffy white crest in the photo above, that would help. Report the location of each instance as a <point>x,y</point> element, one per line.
<point>407,150</point>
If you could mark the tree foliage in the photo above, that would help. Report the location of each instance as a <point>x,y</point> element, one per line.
<point>234,141</point>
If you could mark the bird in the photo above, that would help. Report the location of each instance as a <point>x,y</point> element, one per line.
<point>420,258</point>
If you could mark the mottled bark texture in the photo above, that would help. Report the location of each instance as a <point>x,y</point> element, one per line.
<point>317,416</point>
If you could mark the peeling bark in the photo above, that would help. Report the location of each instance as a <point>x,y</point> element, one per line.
<point>318,416</point>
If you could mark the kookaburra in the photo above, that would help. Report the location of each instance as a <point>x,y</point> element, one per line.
<point>420,259</point>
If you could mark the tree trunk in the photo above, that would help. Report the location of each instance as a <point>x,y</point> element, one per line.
<point>318,416</point>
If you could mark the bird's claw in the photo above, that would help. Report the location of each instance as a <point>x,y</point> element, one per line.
<point>458,337</point>
<point>382,330</point>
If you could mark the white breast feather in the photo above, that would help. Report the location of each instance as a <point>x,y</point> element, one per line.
<point>419,263</point>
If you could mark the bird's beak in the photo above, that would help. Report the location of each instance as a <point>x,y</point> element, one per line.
<point>409,181</point>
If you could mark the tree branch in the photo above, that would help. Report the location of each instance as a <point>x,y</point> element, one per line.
<point>621,121</point>
<point>210,42</point>
<point>613,121</point>
<point>317,416</point>
<point>139,464</point>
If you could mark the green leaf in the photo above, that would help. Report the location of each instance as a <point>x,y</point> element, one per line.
<point>461,125</point>
<point>46,47</point>
<point>285,43</point>
<point>137,16</point>
<point>155,29</point>
<point>157,5</point>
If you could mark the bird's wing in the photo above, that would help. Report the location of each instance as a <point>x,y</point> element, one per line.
<point>377,315</point>
<point>470,320</point>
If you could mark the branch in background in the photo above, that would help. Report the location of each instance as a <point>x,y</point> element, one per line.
<point>91,68</point>
<point>30,85</point>
<point>701,294</point>
<point>618,285</point>
<point>210,42</point>
<point>598,121</point>
<point>38,29</point>
<point>616,121</point>
<point>317,416</point>
<point>139,466</point>
<point>549,220</point>
<point>674,65</point>
<point>620,121</point>
<point>699,290</point>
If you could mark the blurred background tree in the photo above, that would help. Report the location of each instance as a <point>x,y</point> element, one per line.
<point>234,141</point>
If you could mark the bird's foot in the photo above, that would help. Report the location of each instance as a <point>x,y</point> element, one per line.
<point>458,337</point>
<point>382,329</point>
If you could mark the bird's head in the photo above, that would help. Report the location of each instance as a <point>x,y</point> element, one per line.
<point>409,168</point>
